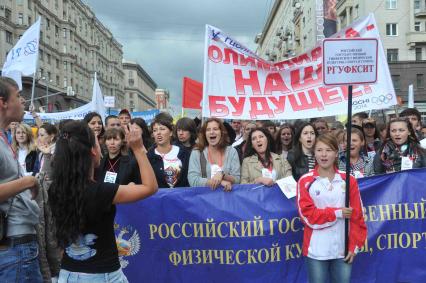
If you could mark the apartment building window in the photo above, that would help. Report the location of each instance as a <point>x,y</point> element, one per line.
<point>420,81</point>
<point>392,54</point>
<point>48,58</point>
<point>65,82</point>
<point>65,65</point>
<point>56,31</point>
<point>20,19</point>
<point>41,55</point>
<point>396,79</point>
<point>64,32</point>
<point>41,72</point>
<point>9,37</point>
<point>392,29</point>
<point>416,4</point>
<point>418,53</point>
<point>390,4</point>
<point>30,20</point>
<point>57,80</point>
<point>57,63</point>
<point>417,26</point>
<point>8,15</point>
<point>47,24</point>
<point>29,4</point>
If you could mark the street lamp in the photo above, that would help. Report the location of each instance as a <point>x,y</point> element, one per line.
<point>47,81</point>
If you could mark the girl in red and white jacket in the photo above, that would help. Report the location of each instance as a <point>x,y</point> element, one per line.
<point>321,205</point>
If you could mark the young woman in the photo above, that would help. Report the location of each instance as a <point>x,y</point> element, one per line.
<point>117,167</point>
<point>170,162</point>
<point>94,121</point>
<point>321,205</point>
<point>140,125</point>
<point>213,163</point>
<point>84,209</point>
<point>301,157</point>
<point>401,150</point>
<point>372,137</point>
<point>23,144</point>
<point>46,139</point>
<point>284,140</point>
<point>186,132</point>
<point>361,164</point>
<point>261,165</point>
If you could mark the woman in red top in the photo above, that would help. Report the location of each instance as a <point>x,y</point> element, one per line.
<point>321,205</point>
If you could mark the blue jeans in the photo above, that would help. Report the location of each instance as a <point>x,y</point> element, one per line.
<point>320,270</point>
<point>20,263</point>
<point>79,277</point>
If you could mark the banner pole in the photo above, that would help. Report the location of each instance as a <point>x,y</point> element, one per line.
<point>348,165</point>
<point>36,68</point>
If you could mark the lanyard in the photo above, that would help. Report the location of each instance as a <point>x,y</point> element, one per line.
<point>2,134</point>
<point>112,165</point>
<point>210,159</point>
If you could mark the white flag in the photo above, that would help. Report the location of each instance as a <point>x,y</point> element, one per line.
<point>98,99</point>
<point>22,58</point>
<point>410,96</point>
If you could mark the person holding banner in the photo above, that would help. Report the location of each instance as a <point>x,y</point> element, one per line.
<point>321,206</point>
<point>170,162</point>
<point>261,165</point>
<point>361,164</point>
<point>401,150</point>
<point>301,157</point>
<point>213,163</point>
<point>84,209</point>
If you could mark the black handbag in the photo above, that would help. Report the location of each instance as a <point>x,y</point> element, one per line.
<point>3,222</point>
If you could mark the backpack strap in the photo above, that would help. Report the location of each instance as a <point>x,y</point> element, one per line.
<point>203,164</point>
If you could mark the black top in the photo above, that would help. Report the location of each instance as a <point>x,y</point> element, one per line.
<point>125,166</point>
<point>96,249</point>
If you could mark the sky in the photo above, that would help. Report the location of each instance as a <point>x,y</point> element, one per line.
<point>166,37</point>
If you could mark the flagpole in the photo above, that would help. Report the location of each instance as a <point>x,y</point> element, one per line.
<point>36,68</point>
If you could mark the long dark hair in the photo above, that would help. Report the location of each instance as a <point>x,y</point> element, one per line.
<point>72,165</point>
<point>251,151</point>
<point>89,116</point>
<point>297,145</point>
<point>146,134</point>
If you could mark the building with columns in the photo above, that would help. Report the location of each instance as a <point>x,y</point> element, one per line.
<point>162,97</point>
<point>74,45</point>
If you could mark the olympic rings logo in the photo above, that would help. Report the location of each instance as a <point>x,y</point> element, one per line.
<point>382,99</point>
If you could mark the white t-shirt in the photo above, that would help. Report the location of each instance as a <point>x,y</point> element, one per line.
<point>172,166</point>
<point>22,154</point>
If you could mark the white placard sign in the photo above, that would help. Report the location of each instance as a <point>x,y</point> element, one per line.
<point>350,61</point>
<point>109,101</point>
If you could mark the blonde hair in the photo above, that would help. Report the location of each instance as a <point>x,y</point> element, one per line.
<point>29,144</point>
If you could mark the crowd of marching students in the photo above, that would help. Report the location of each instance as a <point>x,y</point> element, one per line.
<point>84,168</point>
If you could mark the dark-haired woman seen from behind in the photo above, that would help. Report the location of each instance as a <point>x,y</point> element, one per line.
<point>284,140</point>
<point>301,156</point>
<point>401,150</point>
<point>117,167</point>
<point>213,162</point>
<point>170,162</point>
<point>321,205</point>
<point>186,132</point>
<point>140,125</point>
<point>261,165</point>
<point>84,210</point>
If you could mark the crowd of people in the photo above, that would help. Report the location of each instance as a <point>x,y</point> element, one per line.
<point>83,168</point>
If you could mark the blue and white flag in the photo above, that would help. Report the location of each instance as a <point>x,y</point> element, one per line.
<point>22,58</point>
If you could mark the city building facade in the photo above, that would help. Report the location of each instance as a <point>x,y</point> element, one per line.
<point>74,45</point>
<point>139,88</point>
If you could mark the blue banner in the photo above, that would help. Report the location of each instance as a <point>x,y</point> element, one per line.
<point>253,234</point>
<point>147,115</point>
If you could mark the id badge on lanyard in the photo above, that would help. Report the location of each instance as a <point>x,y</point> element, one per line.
<point>110,177</point>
